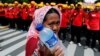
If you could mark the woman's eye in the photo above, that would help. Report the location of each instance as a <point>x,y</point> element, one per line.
<point>50,24</point>
<point>54,23</point>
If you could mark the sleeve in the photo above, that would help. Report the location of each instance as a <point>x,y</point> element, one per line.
<point>31,45</point>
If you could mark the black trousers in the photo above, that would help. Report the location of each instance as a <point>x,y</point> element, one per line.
<point>84,31</point>
<point>99,39</point>
<point>62,33</point>
<point>99,36</point>
<point>92,35</point>
<point>3,21</point>
<point>12,23</point>
<point>19,23</point>
<point>76,32</point>
<point>26,24</point>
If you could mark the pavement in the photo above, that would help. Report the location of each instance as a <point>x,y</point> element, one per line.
<point>13,44</point>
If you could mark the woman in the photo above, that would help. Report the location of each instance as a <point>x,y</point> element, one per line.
<point>49,17</point>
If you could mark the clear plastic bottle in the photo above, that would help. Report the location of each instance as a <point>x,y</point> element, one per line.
<point>48,37</point>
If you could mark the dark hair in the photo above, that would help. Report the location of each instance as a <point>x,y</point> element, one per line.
<point>52,10</point>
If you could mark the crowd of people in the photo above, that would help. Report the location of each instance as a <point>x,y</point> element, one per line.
<point>77,19</point>
<point>16,15</point>
<point>81,21</point>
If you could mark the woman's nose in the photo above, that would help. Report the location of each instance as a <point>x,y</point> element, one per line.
<point>54,28</point>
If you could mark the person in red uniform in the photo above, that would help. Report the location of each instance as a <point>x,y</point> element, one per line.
<point>98,34</point>
<point>99,31</point>
<point>10,15</point>
<point>5,15</point>
<point>7,12</point>
<point>87,11</point>
<point>64,22</point>
<point>2,19</point>
<point>16,11</point>
<point>24,16</point>
<point>76,24</point>
<point>93,27</point>
<point>98,9</point>
<point>31,9</point>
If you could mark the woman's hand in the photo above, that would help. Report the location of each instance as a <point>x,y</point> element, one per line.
<point>58,51</point>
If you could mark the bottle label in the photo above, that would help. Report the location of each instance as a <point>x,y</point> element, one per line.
<point>52,41</point>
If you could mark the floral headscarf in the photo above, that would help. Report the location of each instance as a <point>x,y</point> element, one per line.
<point>38,18</point>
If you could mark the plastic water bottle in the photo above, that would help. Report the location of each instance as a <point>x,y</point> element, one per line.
<point>48,37</point>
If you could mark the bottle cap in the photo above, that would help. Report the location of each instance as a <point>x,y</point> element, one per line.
<point>39,27</point>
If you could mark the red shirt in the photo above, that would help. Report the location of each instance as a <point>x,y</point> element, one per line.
<point>31,12</point>
<point>65,19</point>
<point>78,18</point>
<point>2,11</point>
<point>16,12</point>
<point>6,12</point>
<point>10,13</point>
<point>93,23</point>
<point>24,13</point>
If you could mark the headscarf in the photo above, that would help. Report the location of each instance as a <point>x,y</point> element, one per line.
<point>38,18</point>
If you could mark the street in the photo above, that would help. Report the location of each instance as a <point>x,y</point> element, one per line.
<point>13,42</point>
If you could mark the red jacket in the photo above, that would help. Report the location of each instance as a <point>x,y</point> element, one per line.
<point>31,12</point>
<point>2,12</point>
<point>65,19</point>
<point>16,12</point>
<point>94,19</point>
<point>77,19</point>
<point>6,12</point>
<point>10,13</point>
<point>86,18</point>
<point>24,13</point>
<point>31,45</point>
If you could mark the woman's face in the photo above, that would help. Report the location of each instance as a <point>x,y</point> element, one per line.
<point>52,22</point>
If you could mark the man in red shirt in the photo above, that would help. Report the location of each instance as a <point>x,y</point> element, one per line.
<point>24,16</point>
<point>6,14</point>
<point>17,18</point>
<point>77,23</point>
<point>64,22</point>
<point>10,16</point>
<point>93,27</point>
<point>98,31</point>
<point>2,19</point>
<point>31,9</point>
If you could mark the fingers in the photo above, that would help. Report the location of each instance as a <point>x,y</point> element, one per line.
<point>61,54</point>
<point>58,51</point>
